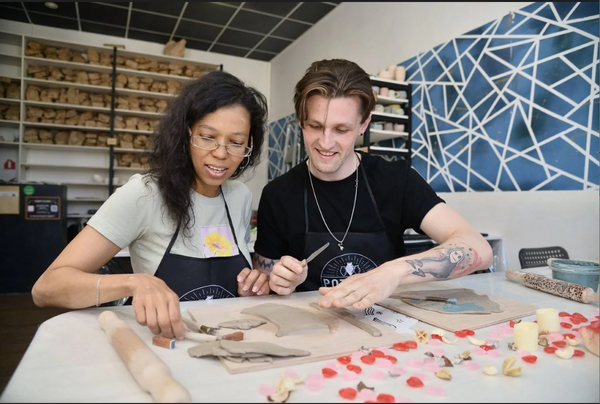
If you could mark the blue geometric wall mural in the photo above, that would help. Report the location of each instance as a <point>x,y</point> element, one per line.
<point>510,106</point>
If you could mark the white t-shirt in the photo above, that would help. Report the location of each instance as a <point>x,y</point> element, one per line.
<point>135,215</point>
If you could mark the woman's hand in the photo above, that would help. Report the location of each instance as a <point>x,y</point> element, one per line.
<point>252,282</point>
<point>156,305</point>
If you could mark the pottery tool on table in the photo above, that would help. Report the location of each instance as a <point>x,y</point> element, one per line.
<point>347,315</point>
<point>148,370</point>
<point>556,287</point>
<point>194,326</point>
<point>314,255</point>
<point>450,300</point>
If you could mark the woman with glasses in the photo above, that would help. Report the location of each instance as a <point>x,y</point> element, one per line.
<point>186,221</point>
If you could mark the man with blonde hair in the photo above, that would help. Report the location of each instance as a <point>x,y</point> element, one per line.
<point>359,203</point>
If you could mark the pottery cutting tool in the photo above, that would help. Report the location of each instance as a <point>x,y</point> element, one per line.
<point>314,255</point>
<point>148,370</point>
<point>450,300</point>
<point>556,287</point>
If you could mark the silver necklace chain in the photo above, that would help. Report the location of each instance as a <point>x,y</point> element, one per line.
<point>340,242</point>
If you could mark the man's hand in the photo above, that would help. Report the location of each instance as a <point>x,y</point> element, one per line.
<point>252,282</point>
<point>156,305</point>
<point>287,274</point>
<point>363,290</point>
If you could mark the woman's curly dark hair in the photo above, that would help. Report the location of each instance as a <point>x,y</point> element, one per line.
<point>169,158</point>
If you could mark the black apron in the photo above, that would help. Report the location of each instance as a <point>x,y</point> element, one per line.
<point>362,251</point>
<point>202,278</point>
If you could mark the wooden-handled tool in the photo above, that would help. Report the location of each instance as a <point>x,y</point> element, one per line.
<point>556,287</point>
<point>148,370</point>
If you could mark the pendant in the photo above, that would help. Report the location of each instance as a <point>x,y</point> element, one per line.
<point>341,246</point>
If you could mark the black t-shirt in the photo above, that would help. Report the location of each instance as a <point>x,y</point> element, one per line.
<point>403,198</point>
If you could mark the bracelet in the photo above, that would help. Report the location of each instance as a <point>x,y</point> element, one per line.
<point>98,290</point>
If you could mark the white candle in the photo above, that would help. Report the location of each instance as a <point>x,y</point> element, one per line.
<point>525,336</point>
<point>547,320</point>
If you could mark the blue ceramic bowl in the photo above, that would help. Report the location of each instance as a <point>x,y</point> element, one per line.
<point>583,273</point>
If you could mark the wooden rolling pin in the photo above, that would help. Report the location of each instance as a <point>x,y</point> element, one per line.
<point>556,287</point>
<point>148,370</point>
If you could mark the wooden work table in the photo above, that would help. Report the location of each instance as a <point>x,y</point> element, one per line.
<point>70,360</point>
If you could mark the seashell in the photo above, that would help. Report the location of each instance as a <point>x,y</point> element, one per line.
<point>543,341</point>
<point>490,370</point>
<point>476,341</point>
<point>573,342</point>
<point>466,355</point>
<point>439,332</point>
<point>509,369</point>
<point>449,341</point>
<point>443,374</point>
<point>566,353</point>
<point>429,354</point>
<point>514,371</point>
<point>496,344</point>
<point>458,360</point>
<point>421,336</point>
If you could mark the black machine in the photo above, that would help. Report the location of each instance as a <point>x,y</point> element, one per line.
<point>33,232</point>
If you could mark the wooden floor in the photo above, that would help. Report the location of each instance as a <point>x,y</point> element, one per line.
<point>19,320</point>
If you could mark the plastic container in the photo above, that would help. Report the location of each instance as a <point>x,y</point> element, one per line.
<point>585,273</point>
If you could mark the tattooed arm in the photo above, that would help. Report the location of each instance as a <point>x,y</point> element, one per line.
<point>461,250</point>
<point>284,275</point>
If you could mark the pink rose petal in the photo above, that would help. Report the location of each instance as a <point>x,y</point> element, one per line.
<point>436,390</point>
<point>383,363</point>
<point>438,351</point>
<point>489,341</point>
<point>431,367</point>
<point>357,354</point>
<point>496,333</point>
<point>376,375</point>
<point>415,363</point>
<point>429,360</point>
<point>421,375</point>
<point>471,365</point>
<point>495,353</point>
<point>510,332</point>
<point>291,373</point>
<point>434,342</point>
<point>523,353</point>
<point>555,336</point>
<point>478,351</point>
<point>399,370</point>
<point>314,385</point>
<point>403,400</point>
<point>348,375</point>
<point>576,334</point>
<point>333,365</point>
<point>316,377</point>
<point>266,390</point>
<point>367,395</point>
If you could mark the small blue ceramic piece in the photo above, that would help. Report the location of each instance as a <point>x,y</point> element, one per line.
<point>583,273</point>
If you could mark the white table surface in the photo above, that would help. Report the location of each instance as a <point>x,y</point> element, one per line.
<point>70,360</point>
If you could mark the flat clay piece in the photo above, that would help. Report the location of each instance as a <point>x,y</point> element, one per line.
<point>289,320</point>
<point>243,349</point>
<point>467,301</point>
<point>245,324</point>
<point>346,315</point>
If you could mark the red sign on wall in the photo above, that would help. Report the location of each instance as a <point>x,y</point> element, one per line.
<point>10,165</point>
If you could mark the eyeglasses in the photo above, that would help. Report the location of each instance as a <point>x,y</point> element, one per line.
<point>208,143</point>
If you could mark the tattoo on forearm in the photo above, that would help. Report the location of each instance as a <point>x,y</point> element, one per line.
<point>263,264</point>
<point>453,260</point>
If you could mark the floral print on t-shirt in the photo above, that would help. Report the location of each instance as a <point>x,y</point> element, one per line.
<point>218,241</point>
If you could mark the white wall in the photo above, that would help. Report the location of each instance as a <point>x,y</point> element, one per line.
<point>253,72</point>
<point>568,219</point>
<point>375,35</point>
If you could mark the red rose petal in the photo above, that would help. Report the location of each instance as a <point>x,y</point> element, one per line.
<point>354,368</point>
<point>412,344</point>
<point>348,393</point>
<point>391,358</point>
<point>529,358</point>
<point>344,360</point>
<point>512,323</point>
<point>578,353</point>
<point>566,325</point>
<point>569,335</point>
<point>486,347</point>
<point>414,382</point>
<point>377,353</point>
<point>580,316</point>
<point>550,349</point>
<point>328,373</point>
<point>469,332</point>
<point>368,359</point>
<point>400,346</point>
<point>460,334</point>
<point>385,398</point>
<point>560,344</point>
<point>436,336</point>
<point>564,314</point>
<point>576,320</point>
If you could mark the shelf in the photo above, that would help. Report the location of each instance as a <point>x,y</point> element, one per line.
<point>377,135</point>
<point>6,122</point>
<point>103,149</point>
<point>116,168</point>
<point>388,100</point>
<point>72,216</point>
<point>387,115</point>
<point>96,89</point>
<point>84,128</point>
<point>86,184</point>
<point>388,81</point>
<point>76,107</point>
<point>9,144</point>
<point>9,55</point>
<point>86,200</point>
<point>10,101</point>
